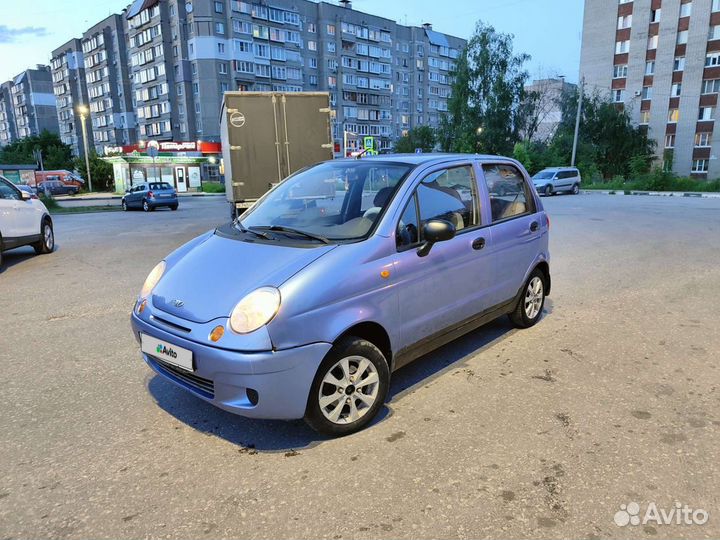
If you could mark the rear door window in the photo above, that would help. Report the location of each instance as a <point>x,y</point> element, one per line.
<point>510,195</point>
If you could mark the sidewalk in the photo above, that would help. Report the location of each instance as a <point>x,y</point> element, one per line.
<point>696,194</point>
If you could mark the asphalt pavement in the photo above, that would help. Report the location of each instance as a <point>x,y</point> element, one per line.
<point>613,398</point>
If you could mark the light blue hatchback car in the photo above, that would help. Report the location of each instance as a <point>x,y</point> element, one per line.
<point>340,275</point>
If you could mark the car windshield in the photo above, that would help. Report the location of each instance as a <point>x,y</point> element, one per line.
<point>336,201</point>
<point>544,175</point>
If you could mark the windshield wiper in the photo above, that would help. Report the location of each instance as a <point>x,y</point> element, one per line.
<point>278,228</point>
<point>251,231</point>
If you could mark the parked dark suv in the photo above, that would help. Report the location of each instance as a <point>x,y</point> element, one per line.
<point>56,187</point>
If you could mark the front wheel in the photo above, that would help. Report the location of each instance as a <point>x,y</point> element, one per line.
<point>174,207</point>
<point>548,190</point>
<point>349,388</point>
<point>46,244</point>
<point>576,189</point>
<point>124,206</point>
<point>529,308</point>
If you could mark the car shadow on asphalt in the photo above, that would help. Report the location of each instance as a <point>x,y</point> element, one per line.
<point>20,255</point>
<point>253,436</point>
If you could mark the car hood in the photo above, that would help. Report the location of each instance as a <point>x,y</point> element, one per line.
<point>209,279</point>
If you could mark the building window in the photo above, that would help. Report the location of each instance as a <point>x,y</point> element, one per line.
<point>715,5</point>
<point>312,45</point>
<point>220,28</point>
<point>685,9</point>
<point>673,116</point>
<point>647,92</point>
<point>621,47</point>
<point>682,37</point>
<point>218,7</point>
<point>620,71</point>
<point>707,113</point>
<point>221,48</point>
<point>702,140</point>
<point>670,141</point>
<point>679,64</point>
<point>715,32</point>
<point>644,117</point>
<point>624,22</point>
<point>700,166</point>
<point>711,86</point>
<point>655,15</point>
<point>650,68</point>
<point>712,60</point>
<point>652,42</point>
<point>222,68</point>
<point>331,29</point>
<point>618,96</point>
<point>675,90</point>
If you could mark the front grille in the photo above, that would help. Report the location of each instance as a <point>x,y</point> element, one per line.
<point>203,386</point>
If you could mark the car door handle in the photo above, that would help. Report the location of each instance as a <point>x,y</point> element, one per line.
<point>534,226</point>
<point>478,244</point>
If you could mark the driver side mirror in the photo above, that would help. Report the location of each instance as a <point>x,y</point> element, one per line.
<point>25,195</point>
<point>434,231</point>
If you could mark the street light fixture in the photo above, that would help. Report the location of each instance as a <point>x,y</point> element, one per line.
<point>83,111</point>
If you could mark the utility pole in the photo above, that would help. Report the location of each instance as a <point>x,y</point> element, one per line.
<point>577,122</point>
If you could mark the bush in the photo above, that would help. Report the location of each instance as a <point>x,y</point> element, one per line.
<point>213,187</point>
<point>50,203</point>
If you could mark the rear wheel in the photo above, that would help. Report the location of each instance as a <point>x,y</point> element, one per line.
<point>349,388</point>
<point>46,244</point>
<point>548,190</point>
<point>145,206</point>
<point>529,308</point>
<point>124,206</point>
<point>576,189</point>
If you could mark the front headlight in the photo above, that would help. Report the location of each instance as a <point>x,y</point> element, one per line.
<point>255,310</point>
<point>152,279</point>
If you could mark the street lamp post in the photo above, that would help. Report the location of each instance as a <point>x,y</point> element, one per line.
<point>83,112</point>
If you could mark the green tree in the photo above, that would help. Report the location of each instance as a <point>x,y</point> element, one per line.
<point>101,171</point>
<point>608,140</point>
<point>55,153</point>
<point>489,106</point>
<point>419,137</point>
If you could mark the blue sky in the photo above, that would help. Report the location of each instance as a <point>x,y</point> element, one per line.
<point>549,30</point>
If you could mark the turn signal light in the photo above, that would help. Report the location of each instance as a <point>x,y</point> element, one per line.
<point>217,333</point>
<point>141,306</point>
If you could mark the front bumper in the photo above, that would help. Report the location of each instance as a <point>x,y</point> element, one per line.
<point>281,379</point>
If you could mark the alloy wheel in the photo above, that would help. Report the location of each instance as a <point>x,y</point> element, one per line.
<point>48,237</point>
<point>534,297</point>
<point>348,390</point>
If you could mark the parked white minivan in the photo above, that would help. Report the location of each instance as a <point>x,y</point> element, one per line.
<point>24,221</point>
<point>557,180</point>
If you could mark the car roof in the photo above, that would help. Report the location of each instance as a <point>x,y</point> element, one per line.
<point>424,159</point>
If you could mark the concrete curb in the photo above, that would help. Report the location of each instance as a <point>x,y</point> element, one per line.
<point>100,198</point>
<point>694,194</point>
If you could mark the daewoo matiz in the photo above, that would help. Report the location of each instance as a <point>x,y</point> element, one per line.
<point>341,274</point>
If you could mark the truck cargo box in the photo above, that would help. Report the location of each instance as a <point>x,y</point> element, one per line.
<point>267,136</point>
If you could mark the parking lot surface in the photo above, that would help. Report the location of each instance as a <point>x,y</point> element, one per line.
<point>613,398</point>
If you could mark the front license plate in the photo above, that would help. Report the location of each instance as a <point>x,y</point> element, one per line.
<point>167,352</point>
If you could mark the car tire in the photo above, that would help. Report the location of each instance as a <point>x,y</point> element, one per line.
<point>1,257</point>
<point>529,308</point>
<point>548,191</point>
<point>124,206</point>
<point>145,206</point>
<point>174,207</point>
<point>335,397</point>
<point>575,189</point>
<point>46,244</point>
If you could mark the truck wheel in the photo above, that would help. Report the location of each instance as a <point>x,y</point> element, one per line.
<point>349,388</point>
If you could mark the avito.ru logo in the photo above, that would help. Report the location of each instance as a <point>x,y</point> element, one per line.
<point>162,349</point>
<point>680,514</point>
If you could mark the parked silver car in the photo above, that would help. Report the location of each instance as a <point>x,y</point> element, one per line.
<point>557,180</point>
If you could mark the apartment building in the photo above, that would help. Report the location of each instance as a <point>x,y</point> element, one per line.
<point>548,113</point>
<point>70,89</point>
<point>109,90</point>
<point>660,60</point>
<point>27,105</point>
<point>383,78</point>
<point>7,118</point>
